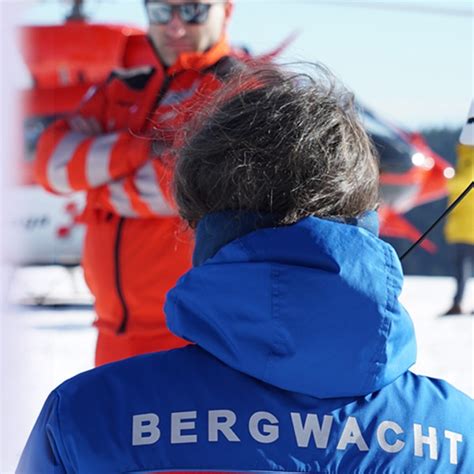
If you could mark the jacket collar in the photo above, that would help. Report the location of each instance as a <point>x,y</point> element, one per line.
<point>219,228</point>
<point>200,61</point>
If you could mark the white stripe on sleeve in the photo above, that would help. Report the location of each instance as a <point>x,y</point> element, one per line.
<point>62,155</point>
<point>120,200</point>
<point>98,159</point>
<point>147,186</point>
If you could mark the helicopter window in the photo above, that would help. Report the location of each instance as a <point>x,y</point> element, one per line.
<point>394,151</point>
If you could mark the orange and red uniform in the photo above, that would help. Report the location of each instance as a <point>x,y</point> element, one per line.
<point>135,247</point>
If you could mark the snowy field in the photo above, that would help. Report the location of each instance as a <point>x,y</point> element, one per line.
<point>41,347</point>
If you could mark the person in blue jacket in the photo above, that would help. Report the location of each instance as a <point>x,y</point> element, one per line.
<point>300,349</point>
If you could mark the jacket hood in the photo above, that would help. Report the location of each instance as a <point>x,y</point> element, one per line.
<point>310,308</point>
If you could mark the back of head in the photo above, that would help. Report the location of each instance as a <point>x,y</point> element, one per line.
<point>288,144</point>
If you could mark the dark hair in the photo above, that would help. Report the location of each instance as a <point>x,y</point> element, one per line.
<point>289,144</point>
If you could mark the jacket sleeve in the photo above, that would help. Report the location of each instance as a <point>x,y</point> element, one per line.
<point>44,451</point>
<point>145,193</point>
<point>68,161</point>
<point>145,190</point>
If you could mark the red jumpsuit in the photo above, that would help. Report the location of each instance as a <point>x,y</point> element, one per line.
<point>136,247</point>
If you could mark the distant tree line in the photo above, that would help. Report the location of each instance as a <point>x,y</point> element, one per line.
<point>443,141</point>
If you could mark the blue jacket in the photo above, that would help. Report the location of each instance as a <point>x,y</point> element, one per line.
<point>300,365</point>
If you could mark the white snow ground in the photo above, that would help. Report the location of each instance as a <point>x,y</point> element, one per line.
<point>41,347</point>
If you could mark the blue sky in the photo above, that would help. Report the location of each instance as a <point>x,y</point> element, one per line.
<point>414,68</point>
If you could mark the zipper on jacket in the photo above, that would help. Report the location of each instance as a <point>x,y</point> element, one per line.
<point>118,277</point>
<point>164,89</point>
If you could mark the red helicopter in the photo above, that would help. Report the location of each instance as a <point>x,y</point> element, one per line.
<point>63,68</point>
<point>64,62</point>
<point>411,174</point>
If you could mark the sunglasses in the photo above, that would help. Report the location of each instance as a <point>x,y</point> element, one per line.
<point>192,13</point>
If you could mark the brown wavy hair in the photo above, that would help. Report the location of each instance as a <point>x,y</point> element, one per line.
<point>280,142</point>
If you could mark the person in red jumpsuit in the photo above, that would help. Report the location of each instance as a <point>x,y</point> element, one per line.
<point>136,246</point>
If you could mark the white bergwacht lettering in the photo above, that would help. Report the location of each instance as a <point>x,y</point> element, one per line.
<point>269,432</point>
<point>431,440</point>
<point>311,427</point>
<point>145,429</point>
<point>352,435</point>
<point>454,439</point>
<point>221,421</point>
<point>382,429</point>
<point>183,421</point>
<point>310,431</point>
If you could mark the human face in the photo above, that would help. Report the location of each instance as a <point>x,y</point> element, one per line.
<point>176,36</point>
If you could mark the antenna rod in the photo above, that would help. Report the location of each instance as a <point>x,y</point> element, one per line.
<point>77,11</point>
<point>447,211</point>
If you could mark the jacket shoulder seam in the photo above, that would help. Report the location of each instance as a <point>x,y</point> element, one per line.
<point>385,322</point>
